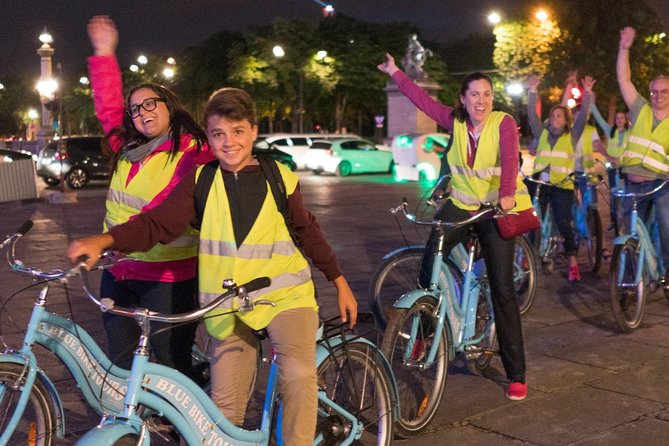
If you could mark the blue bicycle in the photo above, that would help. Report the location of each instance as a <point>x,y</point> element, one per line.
<point>636,264</point>
<point>428,326</point>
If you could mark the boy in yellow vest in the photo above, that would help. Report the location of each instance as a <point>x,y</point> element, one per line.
<point>243,235</point>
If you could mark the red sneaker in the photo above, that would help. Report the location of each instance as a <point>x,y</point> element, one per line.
<point>517,391</point>
<point>574,274</point>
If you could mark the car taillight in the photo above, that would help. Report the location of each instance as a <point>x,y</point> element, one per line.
<point>61,155</point>
<point>328,152</point>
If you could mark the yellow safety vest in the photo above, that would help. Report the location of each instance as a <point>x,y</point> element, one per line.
<point>559,159</point>
<point>646,146</point>
<point>479,184</point>
<point>614,148</point>
<point>125,201</point>
<point>268,250</point>
<point>587,152</point>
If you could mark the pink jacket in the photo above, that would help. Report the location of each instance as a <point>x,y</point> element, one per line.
<point>108,98</point>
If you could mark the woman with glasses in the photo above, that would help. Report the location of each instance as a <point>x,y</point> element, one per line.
<point>155,142</point>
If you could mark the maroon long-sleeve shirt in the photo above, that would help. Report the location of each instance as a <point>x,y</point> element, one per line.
<point>443,115</point>
<point>246,192</point>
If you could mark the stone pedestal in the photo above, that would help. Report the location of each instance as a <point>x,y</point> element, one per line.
<point>403,116</point>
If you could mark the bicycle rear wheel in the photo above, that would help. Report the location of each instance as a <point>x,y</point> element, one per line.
<point>406,344</point>
<point>38,422</point>
<point>353,378</point>
<point>628,297</point>
<point>524,273</point>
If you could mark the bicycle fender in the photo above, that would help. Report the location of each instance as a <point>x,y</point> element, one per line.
<point>621,239</point>
<point>110,433</point>
<point>48,384</point>
<point>322,352</point>
<point>407,300</point>
<point>402,249</point>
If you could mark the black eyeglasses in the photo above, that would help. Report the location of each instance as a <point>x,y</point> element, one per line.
<point>148,104</point>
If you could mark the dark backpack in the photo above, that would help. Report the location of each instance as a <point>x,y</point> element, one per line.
<point>276,185</point>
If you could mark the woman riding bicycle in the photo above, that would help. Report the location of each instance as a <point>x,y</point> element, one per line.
<point>555,161</point>
<point>484,163</point>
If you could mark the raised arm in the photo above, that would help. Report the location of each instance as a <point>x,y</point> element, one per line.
<point>534,120</point>
<point>568,85</point>
<point>582,117</point>
<point>601,122</point>
<point>437,111</point>
<point>623,71</point>
<point>105,73</point>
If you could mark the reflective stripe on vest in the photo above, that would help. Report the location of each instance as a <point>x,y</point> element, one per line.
<point>646,146</point>
<point>559,160</point>
<point>473,186</point>
<point>124,201</point>
<point>267,250</point>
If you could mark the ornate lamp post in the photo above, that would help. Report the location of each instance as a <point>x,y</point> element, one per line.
<point>46,86</point>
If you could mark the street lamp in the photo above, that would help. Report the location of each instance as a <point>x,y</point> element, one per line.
<point>46,86</point>
<point>494,18</point>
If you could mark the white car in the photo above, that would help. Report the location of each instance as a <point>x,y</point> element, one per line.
<point>295,144</point>
<point>346,156</point>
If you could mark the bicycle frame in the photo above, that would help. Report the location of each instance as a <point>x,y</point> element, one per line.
<point>648,254</point>
<point>102,383</point>
<point>459,318</point>
<point>194,414</point>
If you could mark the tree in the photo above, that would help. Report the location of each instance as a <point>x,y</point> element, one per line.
<point>16,98</point>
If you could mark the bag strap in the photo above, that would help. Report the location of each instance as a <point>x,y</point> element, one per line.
<point>202,188</point>
<point>278,188</point>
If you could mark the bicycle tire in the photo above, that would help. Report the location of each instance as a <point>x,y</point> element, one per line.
<point>397,275</point>
<point>628,299</point>
<point>596,238</point>
<point>524,273</point>
<point>479,357</point>
<point>353,378</point>
<point>38,421</point>
<point>420,389</point>
<point>127,440</point>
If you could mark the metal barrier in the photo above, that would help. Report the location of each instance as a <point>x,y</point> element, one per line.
<point>18,180</point>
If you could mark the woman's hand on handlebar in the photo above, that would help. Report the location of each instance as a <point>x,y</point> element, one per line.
<point>89,249</point>
<point>507,203</point>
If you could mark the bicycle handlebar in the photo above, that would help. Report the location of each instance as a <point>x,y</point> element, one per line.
<point>108,305</point>
<point>571,177</point>
<point>484,210</point>
<point>622,193</point>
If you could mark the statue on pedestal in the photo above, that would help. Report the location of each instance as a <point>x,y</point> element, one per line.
<point>414,59</point>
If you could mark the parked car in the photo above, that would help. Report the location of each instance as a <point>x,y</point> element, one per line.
<point>8,156</point>
<point>262,148</point>
<point>81,159</point>
<point>346,156</point>
<point>297,144</point>
<point>418,155</point>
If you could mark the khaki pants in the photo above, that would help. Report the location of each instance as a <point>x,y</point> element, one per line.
<point>233,367</point>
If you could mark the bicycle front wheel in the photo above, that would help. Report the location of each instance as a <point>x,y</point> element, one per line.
<point>480,355</point>
<point>524,273</point>
<point>628,295</point>
<point>38,422</point>
<point>352,377</point>
<point>406,343</point>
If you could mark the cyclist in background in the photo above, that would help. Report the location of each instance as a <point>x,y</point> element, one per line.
<point>644,162</point>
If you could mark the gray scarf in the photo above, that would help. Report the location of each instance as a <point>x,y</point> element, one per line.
<point>136,152</point>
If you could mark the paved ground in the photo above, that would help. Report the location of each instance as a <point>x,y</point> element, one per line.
<point>589,384</point>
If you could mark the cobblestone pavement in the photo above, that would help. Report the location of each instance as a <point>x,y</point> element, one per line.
<point>589,384</point>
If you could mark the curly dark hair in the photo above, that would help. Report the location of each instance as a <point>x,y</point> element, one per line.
<point>180,122</point>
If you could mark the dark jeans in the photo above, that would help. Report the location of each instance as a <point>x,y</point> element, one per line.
<point>498,257</point>
<point>562,201</point>
<point>614,184</point>
<point>172,347</point>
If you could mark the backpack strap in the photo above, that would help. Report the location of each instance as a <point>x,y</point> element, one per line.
<point>202,188</point>
<point>278,188</point>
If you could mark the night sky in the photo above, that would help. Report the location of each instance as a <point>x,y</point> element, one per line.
<point>169,26</point>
